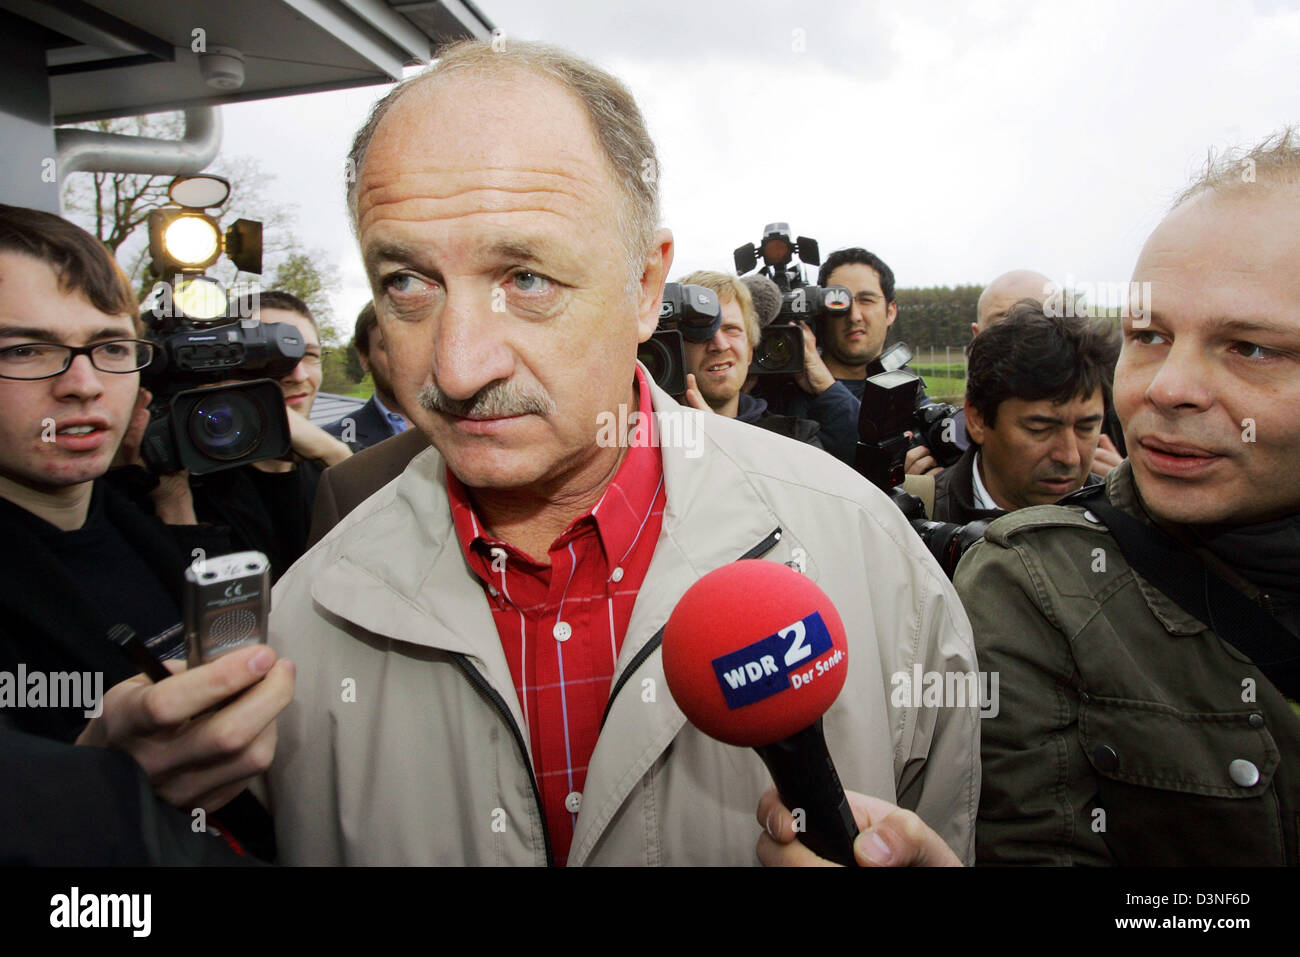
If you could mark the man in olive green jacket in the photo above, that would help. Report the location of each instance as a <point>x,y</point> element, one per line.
<point>1130,731</point>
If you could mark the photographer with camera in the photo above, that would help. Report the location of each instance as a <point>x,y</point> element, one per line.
<point>829,390</point>
<point>1037,391</point>
<point>716,370</point>
<point>81,558</point>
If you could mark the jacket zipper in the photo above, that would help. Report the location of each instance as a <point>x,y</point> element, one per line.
<point>499,703</point>
<point>762,548</point>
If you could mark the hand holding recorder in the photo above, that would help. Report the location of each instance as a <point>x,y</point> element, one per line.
<point>202,732</point>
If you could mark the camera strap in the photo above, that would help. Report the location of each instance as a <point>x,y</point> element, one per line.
<point>1184,578</point>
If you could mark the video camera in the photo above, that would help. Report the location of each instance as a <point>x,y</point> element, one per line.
<point>780,349</point>
<point>686,314</point>
<point>889,412</point>
<point>203,337</point>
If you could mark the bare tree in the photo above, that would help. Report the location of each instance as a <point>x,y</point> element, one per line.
<point>116,207</point>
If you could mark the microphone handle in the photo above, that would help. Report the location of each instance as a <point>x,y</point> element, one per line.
<point>805,777</point>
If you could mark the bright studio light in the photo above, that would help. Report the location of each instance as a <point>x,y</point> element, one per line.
<point>192,241</point>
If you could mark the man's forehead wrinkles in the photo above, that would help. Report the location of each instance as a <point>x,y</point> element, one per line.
<point>411,211</point>
<point>446,182</point>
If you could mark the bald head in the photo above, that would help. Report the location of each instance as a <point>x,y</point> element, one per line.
<point>1004,292</point>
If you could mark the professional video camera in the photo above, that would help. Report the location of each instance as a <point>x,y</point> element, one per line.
<point>202,337</point>
<point>687,313</point>
<point>780,349</point>
<point>888,412</point>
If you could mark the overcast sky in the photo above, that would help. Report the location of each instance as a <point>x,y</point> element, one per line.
<point>955,140</point>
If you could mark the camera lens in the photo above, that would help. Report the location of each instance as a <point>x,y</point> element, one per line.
<point>226,426</point>
<point>774,352</point>
<point>654,355</point>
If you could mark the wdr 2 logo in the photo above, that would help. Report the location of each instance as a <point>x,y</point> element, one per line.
<point>764,668</point>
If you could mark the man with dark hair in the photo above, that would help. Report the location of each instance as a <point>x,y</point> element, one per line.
<point>79,556</point>
<point>1147,631</point>
<point>1037,391</point>
<point>381,417</point>
<point>829,390</point>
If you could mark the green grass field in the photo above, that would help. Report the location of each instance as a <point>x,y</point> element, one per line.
<point>944,382</point>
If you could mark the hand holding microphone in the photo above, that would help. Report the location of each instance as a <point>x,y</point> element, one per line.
<point>889,836</point>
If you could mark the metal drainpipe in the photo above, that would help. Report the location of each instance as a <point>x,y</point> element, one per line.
<point>91,150</point>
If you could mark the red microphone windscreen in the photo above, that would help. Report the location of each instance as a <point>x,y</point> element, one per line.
<point>754,652</point>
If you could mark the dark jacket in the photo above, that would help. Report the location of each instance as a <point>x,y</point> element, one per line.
<point>91,807</point>
<point>954,493</point>
<point>1128,732</point>
<point>345,486</point>
<point>754,411</point>
<point>368,427</point>
<point>269,512</point>
<point>49,624</point>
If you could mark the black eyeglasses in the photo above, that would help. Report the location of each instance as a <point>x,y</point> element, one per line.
<point>45,360</point>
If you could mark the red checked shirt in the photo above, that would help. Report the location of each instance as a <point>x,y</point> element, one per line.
<point>562,625</point>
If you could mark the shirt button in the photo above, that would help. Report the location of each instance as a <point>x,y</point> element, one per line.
<point>573,801</point>
<point>1087,513</point>
<point>617,576</point>
<point>562,631</point>
<point>1257,720</point>
<point>1243,773</point>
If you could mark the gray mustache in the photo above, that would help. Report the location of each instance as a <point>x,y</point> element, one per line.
<point>494,401</point>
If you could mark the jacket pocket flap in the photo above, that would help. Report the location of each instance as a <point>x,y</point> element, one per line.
<point>1153,745</point>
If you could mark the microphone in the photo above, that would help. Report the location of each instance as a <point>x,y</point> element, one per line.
<point>767,298</point>
<point>754,655</point>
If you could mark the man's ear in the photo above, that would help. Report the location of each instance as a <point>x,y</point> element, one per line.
<point>650,290</point>
<point>891,312</point>
<point>975,426</point>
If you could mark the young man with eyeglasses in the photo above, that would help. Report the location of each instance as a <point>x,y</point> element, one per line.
<point>79,556</point>
<point>829,390</point>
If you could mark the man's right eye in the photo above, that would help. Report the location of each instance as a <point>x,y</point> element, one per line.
<point>24,352</point>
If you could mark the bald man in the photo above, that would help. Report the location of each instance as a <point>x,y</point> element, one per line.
<point>1004,292</point>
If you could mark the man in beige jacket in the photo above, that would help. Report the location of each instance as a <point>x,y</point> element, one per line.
<point>506,206</point>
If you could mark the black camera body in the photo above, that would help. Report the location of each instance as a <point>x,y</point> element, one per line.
<point>686,314</point>
<point>204,428</point>
<point>888,412</point>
